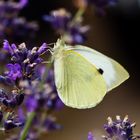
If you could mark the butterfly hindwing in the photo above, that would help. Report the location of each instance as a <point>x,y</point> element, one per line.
<point>79,83</point>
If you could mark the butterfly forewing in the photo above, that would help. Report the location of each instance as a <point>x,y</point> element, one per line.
<point>113,73</point>
<point>79,83</point>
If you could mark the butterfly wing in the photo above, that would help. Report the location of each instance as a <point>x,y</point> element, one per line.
<point>113,73</point>
<point>79,83</point>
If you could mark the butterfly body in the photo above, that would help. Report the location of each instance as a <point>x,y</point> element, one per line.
<point>81,80</point>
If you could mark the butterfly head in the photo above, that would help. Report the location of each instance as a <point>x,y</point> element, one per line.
<point>59,48</point>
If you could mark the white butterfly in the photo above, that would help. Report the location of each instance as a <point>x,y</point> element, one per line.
<point>83,76</point>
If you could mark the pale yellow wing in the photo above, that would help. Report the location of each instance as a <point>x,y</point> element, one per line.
<point>113,73</point>
<point>79,83</point>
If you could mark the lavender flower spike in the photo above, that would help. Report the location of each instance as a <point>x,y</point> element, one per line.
<point>120,129</point>
<point>14,71</point>
<point>59,19</point>
<point>23,61</point>
<point>71,29</point>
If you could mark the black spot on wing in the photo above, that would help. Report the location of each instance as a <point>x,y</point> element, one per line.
<point>100,71</point>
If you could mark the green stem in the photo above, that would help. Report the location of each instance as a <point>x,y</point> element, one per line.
<point>7,115</point>
<point>79,14</point>
<point>27,126</point>
<point>76,18</point>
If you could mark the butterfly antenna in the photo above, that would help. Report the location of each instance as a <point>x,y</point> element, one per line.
<point>50,48</point>
<point>50,44</point>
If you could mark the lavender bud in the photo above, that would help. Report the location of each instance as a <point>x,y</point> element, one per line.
<point>42,49</point>
<point>10,124</point>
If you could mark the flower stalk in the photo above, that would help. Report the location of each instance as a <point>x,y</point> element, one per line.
<point>27,126</point>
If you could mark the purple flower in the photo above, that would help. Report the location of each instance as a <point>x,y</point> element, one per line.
<point>72,30</point>
<point>90,136</point>
<point>21,115</point>
<point>52,101</point>
<point>50,124</point>
<point>33,85</point>
<point>42,49</point>
<point>45,97</point>
<point>11,49</point>
<point>76,33</point>
<point>24,60</point>
<point>10,101</point>
<point>58,104</point>
<point>32,136</point>
<point>120,129</point>
<point>59,19</point>
<point>7,104</point>
<point>14,71</point>
<point>41,98</point>
<point>11,25</point>
<point>31,103</point>
<point>6,80</point>
<point>21,28</point>
<point>10,124</point>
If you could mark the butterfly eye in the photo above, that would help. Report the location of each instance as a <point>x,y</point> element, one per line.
<point>100,71</point>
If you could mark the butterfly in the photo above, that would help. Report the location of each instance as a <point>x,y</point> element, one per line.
<point>83,75</point>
